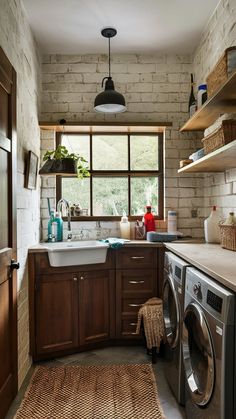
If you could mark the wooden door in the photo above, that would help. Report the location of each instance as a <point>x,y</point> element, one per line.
<point>56,313</point>
<point>96,306</point>
<point>8,286</point>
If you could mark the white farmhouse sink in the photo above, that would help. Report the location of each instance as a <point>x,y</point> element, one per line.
<point>76,253</point>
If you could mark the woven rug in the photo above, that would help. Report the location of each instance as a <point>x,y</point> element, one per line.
<point>92,392</point>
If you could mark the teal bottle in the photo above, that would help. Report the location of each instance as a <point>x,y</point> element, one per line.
<point>51,232</point>
<point>59,227</point>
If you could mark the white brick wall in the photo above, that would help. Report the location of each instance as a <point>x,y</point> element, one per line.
<point>219,34</point>
<point>17,42</point>
<point>156,88</point>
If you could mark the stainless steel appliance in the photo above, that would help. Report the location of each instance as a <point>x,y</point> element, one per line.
<point>208,347</point>
<point>173,307</point>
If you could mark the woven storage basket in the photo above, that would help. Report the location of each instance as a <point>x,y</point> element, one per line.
<point>223,135</point>
<point>228,237</point>
<point>222,70</point>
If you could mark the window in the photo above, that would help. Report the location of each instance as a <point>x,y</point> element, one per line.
<point>126,174</point>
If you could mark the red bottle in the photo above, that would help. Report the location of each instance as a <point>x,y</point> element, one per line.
<point>149,220</point>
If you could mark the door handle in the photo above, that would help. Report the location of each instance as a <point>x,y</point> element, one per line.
<point>14,265</point>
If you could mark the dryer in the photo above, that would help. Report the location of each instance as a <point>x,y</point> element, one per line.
<point>173,307</point>
<point>208,347</point>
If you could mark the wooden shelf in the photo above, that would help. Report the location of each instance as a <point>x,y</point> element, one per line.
<point>224,100</point>
<point>222,159</point>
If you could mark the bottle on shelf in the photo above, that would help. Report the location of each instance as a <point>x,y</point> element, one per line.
<point>124,227</point>
<point>201,95</point>
<point>192,103</point>
<point>211,227</point>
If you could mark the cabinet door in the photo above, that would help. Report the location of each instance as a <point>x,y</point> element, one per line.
<point>56,312</point>
<point>96,306</point>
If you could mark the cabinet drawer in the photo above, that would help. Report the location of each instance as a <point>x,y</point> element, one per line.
<point>136,257</point>
<point>128,327</point>
<point>136,282</point>
<point>132,305</point>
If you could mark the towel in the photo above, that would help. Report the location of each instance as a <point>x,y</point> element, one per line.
<point>151,313</point>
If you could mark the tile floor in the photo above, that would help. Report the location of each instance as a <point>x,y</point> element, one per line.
<point>115,355</point>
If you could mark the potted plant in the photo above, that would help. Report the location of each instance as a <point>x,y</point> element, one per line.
<point>60,161</point>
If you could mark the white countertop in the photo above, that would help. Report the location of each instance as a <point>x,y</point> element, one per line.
<point>218,263</point>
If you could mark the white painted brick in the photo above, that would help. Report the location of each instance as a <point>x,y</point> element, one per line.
<point>186,192</point>
<point>81,68</point>
<point>141,68</point>
<point>116,68</point>
<point>55,68</point>
<point>137,87</point>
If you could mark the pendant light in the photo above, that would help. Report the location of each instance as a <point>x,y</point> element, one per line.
<point>109,101</point>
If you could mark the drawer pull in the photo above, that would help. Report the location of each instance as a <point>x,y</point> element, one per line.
<point>137,257</point>
<point>135,305</point>
<point>133,324</point>
<point>136,282</point>
<point>75,278</point>
<point>133,333</point>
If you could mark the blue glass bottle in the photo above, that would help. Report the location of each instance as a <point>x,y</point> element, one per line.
<point>59,227</point>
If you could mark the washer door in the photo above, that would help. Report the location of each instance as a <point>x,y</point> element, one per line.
<point>170,312</point>
<point>198,355</point>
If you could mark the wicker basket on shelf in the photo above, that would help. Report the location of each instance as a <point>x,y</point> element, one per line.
<point>223,135</point>
<point>228,236</point>
<point>222,70</point>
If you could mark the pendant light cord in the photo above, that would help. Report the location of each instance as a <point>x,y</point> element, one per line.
<point>109,57</point>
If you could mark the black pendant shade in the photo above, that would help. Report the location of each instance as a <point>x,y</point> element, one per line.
<point>109,101</point>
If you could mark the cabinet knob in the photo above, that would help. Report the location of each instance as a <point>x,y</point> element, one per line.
<point>75,278</point>
<point>82,278</point>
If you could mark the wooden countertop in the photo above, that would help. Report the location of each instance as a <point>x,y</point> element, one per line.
<point>218,263</point>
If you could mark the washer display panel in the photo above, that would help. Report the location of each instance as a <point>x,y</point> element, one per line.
<point>198,355</point>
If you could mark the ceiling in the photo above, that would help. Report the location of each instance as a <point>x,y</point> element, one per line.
<point>143,26</point>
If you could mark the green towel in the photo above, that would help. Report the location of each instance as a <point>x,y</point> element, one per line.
<point>114,243</point>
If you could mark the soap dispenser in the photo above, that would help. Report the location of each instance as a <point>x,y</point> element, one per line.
<point>124,227</point>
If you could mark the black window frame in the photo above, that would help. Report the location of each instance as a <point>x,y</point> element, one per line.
<point>129,173</point>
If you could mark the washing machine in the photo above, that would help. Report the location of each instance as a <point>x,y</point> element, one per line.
<point>173,307</point>
<point>208,347</point>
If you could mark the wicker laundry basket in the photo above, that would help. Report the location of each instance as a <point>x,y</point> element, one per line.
<point>228,237</point>
<point>222,70</point>
<point>223,135</point>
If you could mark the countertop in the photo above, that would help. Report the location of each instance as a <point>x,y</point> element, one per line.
<point>42,247</point>
<point>218,263</point>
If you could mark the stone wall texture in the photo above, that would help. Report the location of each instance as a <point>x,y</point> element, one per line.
<point>220,33</point>
<point>18,44</point>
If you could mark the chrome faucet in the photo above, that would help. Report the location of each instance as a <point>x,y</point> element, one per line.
<point>68,213</point>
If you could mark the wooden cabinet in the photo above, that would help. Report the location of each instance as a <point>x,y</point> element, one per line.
<point>56,308</point>
<point>80,307</point>
<point>136,282</point>
<point>96,306</point>
<point>70,307</point>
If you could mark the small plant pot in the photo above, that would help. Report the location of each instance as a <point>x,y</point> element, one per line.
<point>65,167</point>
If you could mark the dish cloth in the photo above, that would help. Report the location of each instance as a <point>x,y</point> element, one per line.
<point>114,243</point>
<point>151,313</point>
